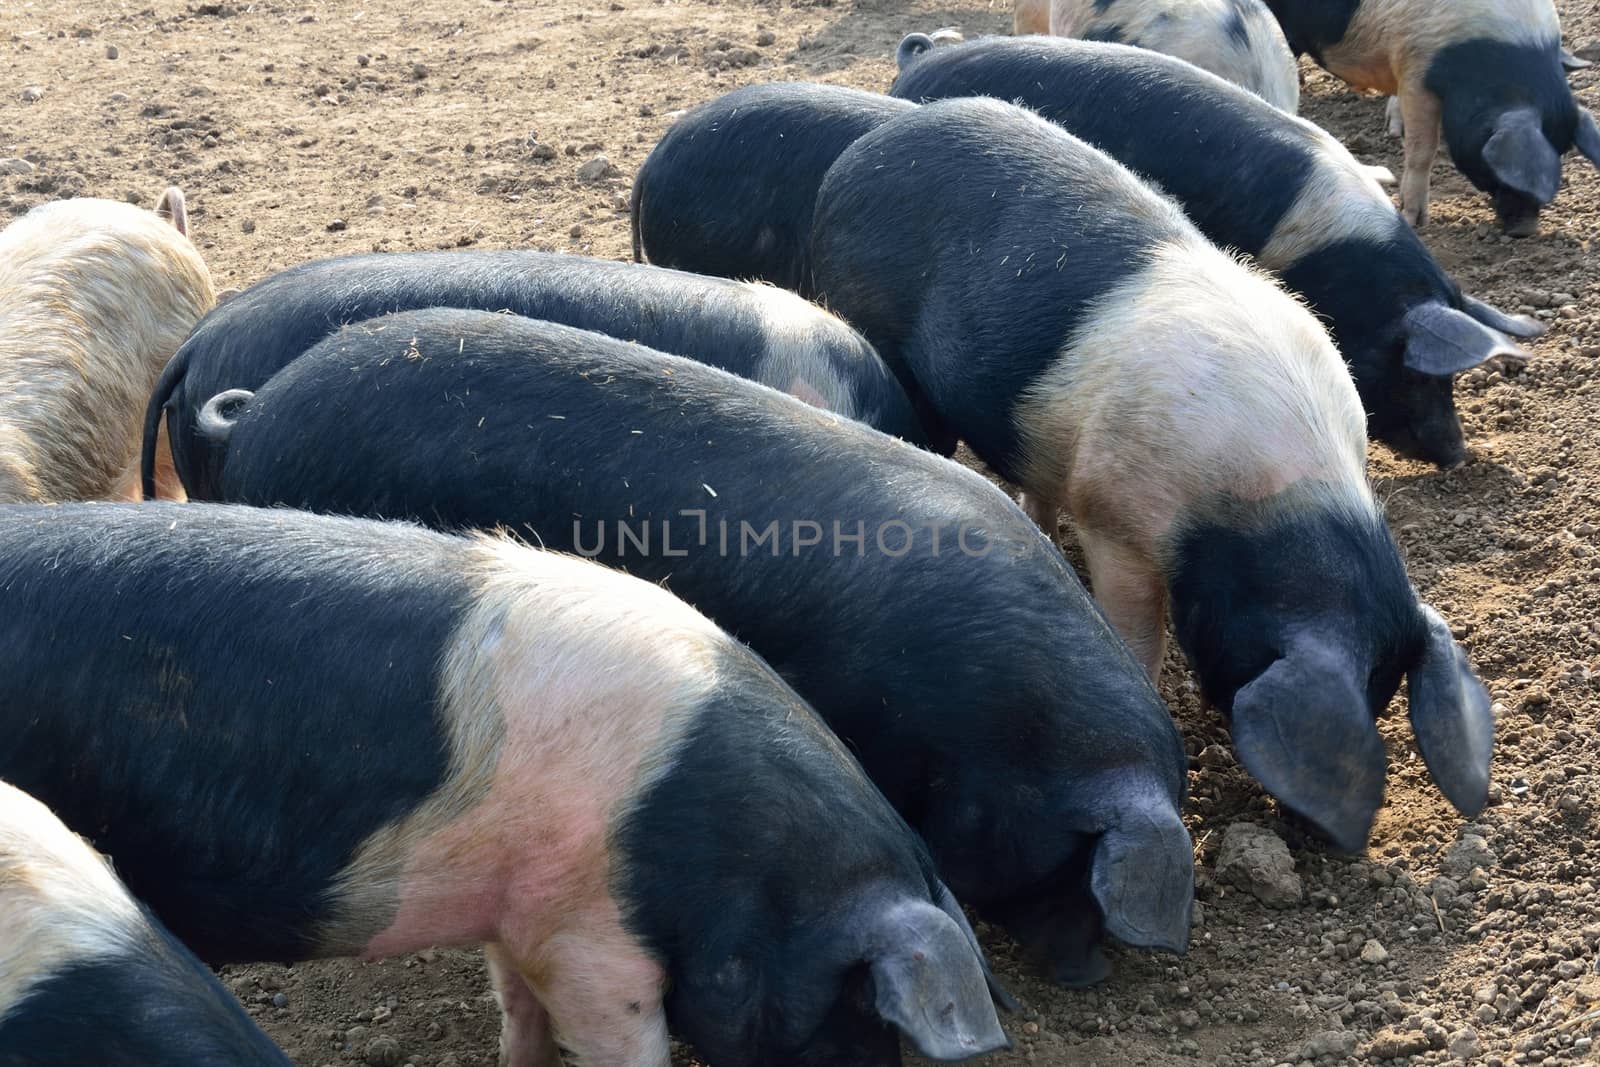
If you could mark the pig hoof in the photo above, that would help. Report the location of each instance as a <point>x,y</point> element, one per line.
<point>1397,122</point>
<point>1522,227</point>
<point>1084,971</point>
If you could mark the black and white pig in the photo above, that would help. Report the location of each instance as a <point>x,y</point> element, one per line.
<point>87,975</point>
<point>1092,347</point>
<point>912,604</point>
<point>1489,72</point>
<point>304,736</point>
<point>1234,39</point>
<point>1276,187</point>
<point>753,330</point>
<point>729,189</point>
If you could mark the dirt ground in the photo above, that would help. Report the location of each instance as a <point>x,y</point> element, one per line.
<point>303,129</point>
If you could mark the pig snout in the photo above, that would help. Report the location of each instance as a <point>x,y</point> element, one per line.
<point>1421,423</point>
<point>1517,213</point>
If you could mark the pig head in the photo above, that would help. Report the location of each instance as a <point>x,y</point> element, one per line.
<point>1303,661</point>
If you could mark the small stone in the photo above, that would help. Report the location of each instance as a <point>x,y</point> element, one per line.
<point>363,60</point>
<point>765,37</point>
<point>383,1052</point>
<point>1469,852</point>
<point>1256,860</point>
<point>1392,1044</point>
<point>596,169</point>
<point>112,52</point>
<point>32,94</point>
<point>15,166</point>
<point>280,1000</point>
<point>1373,953</point>
<point>1588,48</point>
<point>1189,1020</point>
<point>1464,1044</point>
<point>1329,1043</point>
<point>418,71</point>
<point>543,151</point>
<point>1569,804</point>
<point>336,225</point>
<point>576,230</point>
<point>118,98</point>
<point>247,225</point>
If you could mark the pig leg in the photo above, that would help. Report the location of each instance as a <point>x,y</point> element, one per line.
<point>1420,111</point>
<point>1042,511</point>
<point>168,485</point>
<point>1130,590</point>
<point>604,996</point>
<point>1397,122</point>
<point>525,1036</point>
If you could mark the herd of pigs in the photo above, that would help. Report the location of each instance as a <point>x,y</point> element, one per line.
<point>636,624</point>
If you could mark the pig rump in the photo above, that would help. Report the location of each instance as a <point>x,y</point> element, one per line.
<point>729,189</point>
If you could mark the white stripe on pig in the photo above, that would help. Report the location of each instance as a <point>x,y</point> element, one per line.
<point>59,902</point>
<point>792,362</point>
<point>513,848</point>
<point>1342,200</point>
<point>1196,378</point>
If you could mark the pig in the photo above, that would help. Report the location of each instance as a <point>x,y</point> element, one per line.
<point>754,330</point>
<point>1234,39</point>
<point>1488,73</point>
<point>1091,346</point>
<point>309,736</point>
<point>1273,186</point>
<point>95,297</point>
<point>87,975</point>
<point>729,189</point>
<point>941,636</point>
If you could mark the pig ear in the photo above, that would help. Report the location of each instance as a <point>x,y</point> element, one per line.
<point>1442,341</point>
<point>1451,718</point>
<point>1521,158</point>
<point>1588,139</point>
<point>1570,62</point>
<point>216,419</point>
<point>1302,728</point>
<point>1495,319</point>
<point>1142,876</point>
<point>930,983</point>
<point>950,906</point>
<point>172,207</point>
